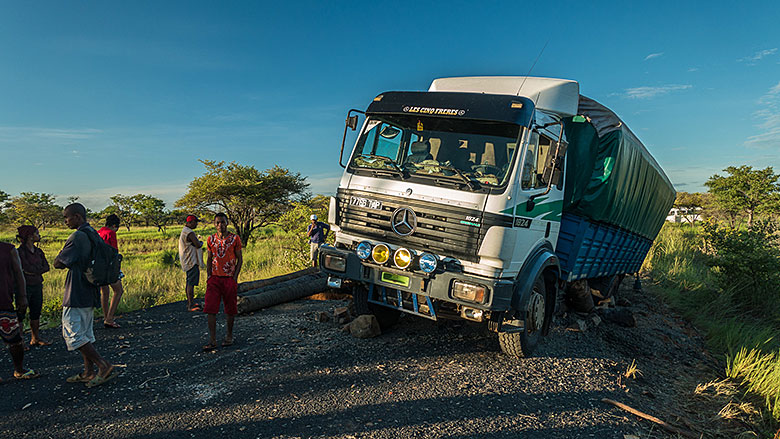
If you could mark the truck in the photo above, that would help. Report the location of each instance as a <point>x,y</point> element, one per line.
<point>488,199</point>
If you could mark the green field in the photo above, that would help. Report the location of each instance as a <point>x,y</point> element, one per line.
<point>153,275</point>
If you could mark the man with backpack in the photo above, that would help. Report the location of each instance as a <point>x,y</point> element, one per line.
<point>81,297</point>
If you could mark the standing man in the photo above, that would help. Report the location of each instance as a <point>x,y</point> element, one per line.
<point>80,299</point>
<point>12,277</point>
<point>108,233</point>
<point>190,258</point>
<point>224,264</point>
<point>34,264</point>
<point>317,233</point>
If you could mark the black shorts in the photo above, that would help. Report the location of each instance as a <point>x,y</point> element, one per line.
<point>9,328</point>
<point>34,302</point>
<point>193,276</point>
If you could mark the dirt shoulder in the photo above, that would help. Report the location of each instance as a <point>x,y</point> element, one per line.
<point>289,375</point>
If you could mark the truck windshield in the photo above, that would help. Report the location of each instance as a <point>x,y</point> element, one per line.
<point>476,152</point>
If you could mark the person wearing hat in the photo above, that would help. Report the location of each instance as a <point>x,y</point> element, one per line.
<point>191,258</point>
<point>317,233</point>
<point>34,264</point>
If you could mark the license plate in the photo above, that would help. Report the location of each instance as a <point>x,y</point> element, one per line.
<point>395,279</point>
<point>365,202</point>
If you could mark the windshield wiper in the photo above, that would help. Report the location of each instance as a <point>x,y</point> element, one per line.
<point>397,169</point>
<point>473,185</point>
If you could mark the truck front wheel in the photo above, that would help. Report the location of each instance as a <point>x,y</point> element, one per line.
<point>521,342</point>
<point>387,317</point>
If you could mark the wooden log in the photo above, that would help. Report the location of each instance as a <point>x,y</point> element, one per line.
<point>282,293</point>
<point>664,425</point>
<point>256,284</point>
<point>306,278</point>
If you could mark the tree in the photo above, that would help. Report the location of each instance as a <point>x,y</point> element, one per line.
<point>250,198</point>
<point>152,210</point>
<point>125,209</point>
<point>745,190</point>
<point>690,206</point>
<point>4,197</point>
<point>37,209</point>
<point>295,222</point>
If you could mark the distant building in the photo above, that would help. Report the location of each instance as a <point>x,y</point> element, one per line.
<point>684,215</point>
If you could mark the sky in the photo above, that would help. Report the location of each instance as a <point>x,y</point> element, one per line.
<point>100,98</point>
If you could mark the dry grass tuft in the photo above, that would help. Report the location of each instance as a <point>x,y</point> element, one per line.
<point>632,371</point>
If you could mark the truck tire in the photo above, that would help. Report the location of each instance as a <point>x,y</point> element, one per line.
<point>387,317</point>
<point>522,343</point>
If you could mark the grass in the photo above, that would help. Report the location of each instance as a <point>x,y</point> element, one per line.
<point>153,275</point>
<point>749,345</point>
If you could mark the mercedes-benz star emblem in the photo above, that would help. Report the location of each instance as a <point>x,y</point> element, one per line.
<point>403,221</point>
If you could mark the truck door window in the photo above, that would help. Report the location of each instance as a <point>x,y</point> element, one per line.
<point>534,160</point>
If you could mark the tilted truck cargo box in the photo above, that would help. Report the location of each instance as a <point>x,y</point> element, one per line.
<point>610,176</point>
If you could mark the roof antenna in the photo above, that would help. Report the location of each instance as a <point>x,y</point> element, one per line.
<point>533,65</point>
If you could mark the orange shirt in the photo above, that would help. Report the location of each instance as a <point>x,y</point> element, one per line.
<point>223,253</point>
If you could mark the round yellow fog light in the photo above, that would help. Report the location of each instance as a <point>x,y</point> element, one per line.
<point>402,258</point>
<point>380,253</point>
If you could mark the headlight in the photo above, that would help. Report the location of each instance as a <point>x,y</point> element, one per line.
<point>335,263</point>
<point>402,258</point>
<point>380,254</point>
<point>469,292</point>
<point>428,262</point>
<point>363,250</point>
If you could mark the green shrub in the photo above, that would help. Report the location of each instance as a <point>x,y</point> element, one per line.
<point>746,265</point>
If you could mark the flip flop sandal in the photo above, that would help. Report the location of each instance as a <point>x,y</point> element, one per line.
<point>99,380</point>
<point>28,375</point>
<point>78,378</point>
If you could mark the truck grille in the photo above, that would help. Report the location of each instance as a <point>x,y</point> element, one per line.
<point>442,229</point>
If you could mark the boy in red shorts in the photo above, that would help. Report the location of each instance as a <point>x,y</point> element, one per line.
<point>222,268</point>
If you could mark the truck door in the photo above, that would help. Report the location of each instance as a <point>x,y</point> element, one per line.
<point>539,220</point>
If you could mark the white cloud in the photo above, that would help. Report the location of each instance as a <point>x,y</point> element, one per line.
<point>653,55</point>
<point>758,55</point>
<point>15,133</point>
<point>647,92</point>
<point>768,120</point>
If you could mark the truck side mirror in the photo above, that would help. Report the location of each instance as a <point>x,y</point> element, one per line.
<point>553,169</point>
<point>352,122</point>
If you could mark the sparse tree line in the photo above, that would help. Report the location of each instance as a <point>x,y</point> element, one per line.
<point>738,198</point>
<point>252,199</point>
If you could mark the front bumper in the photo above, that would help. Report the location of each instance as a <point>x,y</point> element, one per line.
<point>437,285</point>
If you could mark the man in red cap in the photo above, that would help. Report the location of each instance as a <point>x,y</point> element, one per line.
<point>191,258</point>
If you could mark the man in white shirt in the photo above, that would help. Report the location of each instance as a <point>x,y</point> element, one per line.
<point>190,258</point>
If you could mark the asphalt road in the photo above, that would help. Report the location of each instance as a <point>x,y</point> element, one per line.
<point>290,376</point>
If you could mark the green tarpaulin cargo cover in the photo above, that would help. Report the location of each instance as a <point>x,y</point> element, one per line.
<point>610,176</point>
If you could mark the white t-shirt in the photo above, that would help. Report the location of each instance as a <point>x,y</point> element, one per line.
<point>189,255</point>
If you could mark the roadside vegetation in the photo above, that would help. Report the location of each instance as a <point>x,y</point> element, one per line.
<point>721,270</point>
<point>269,209</point>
